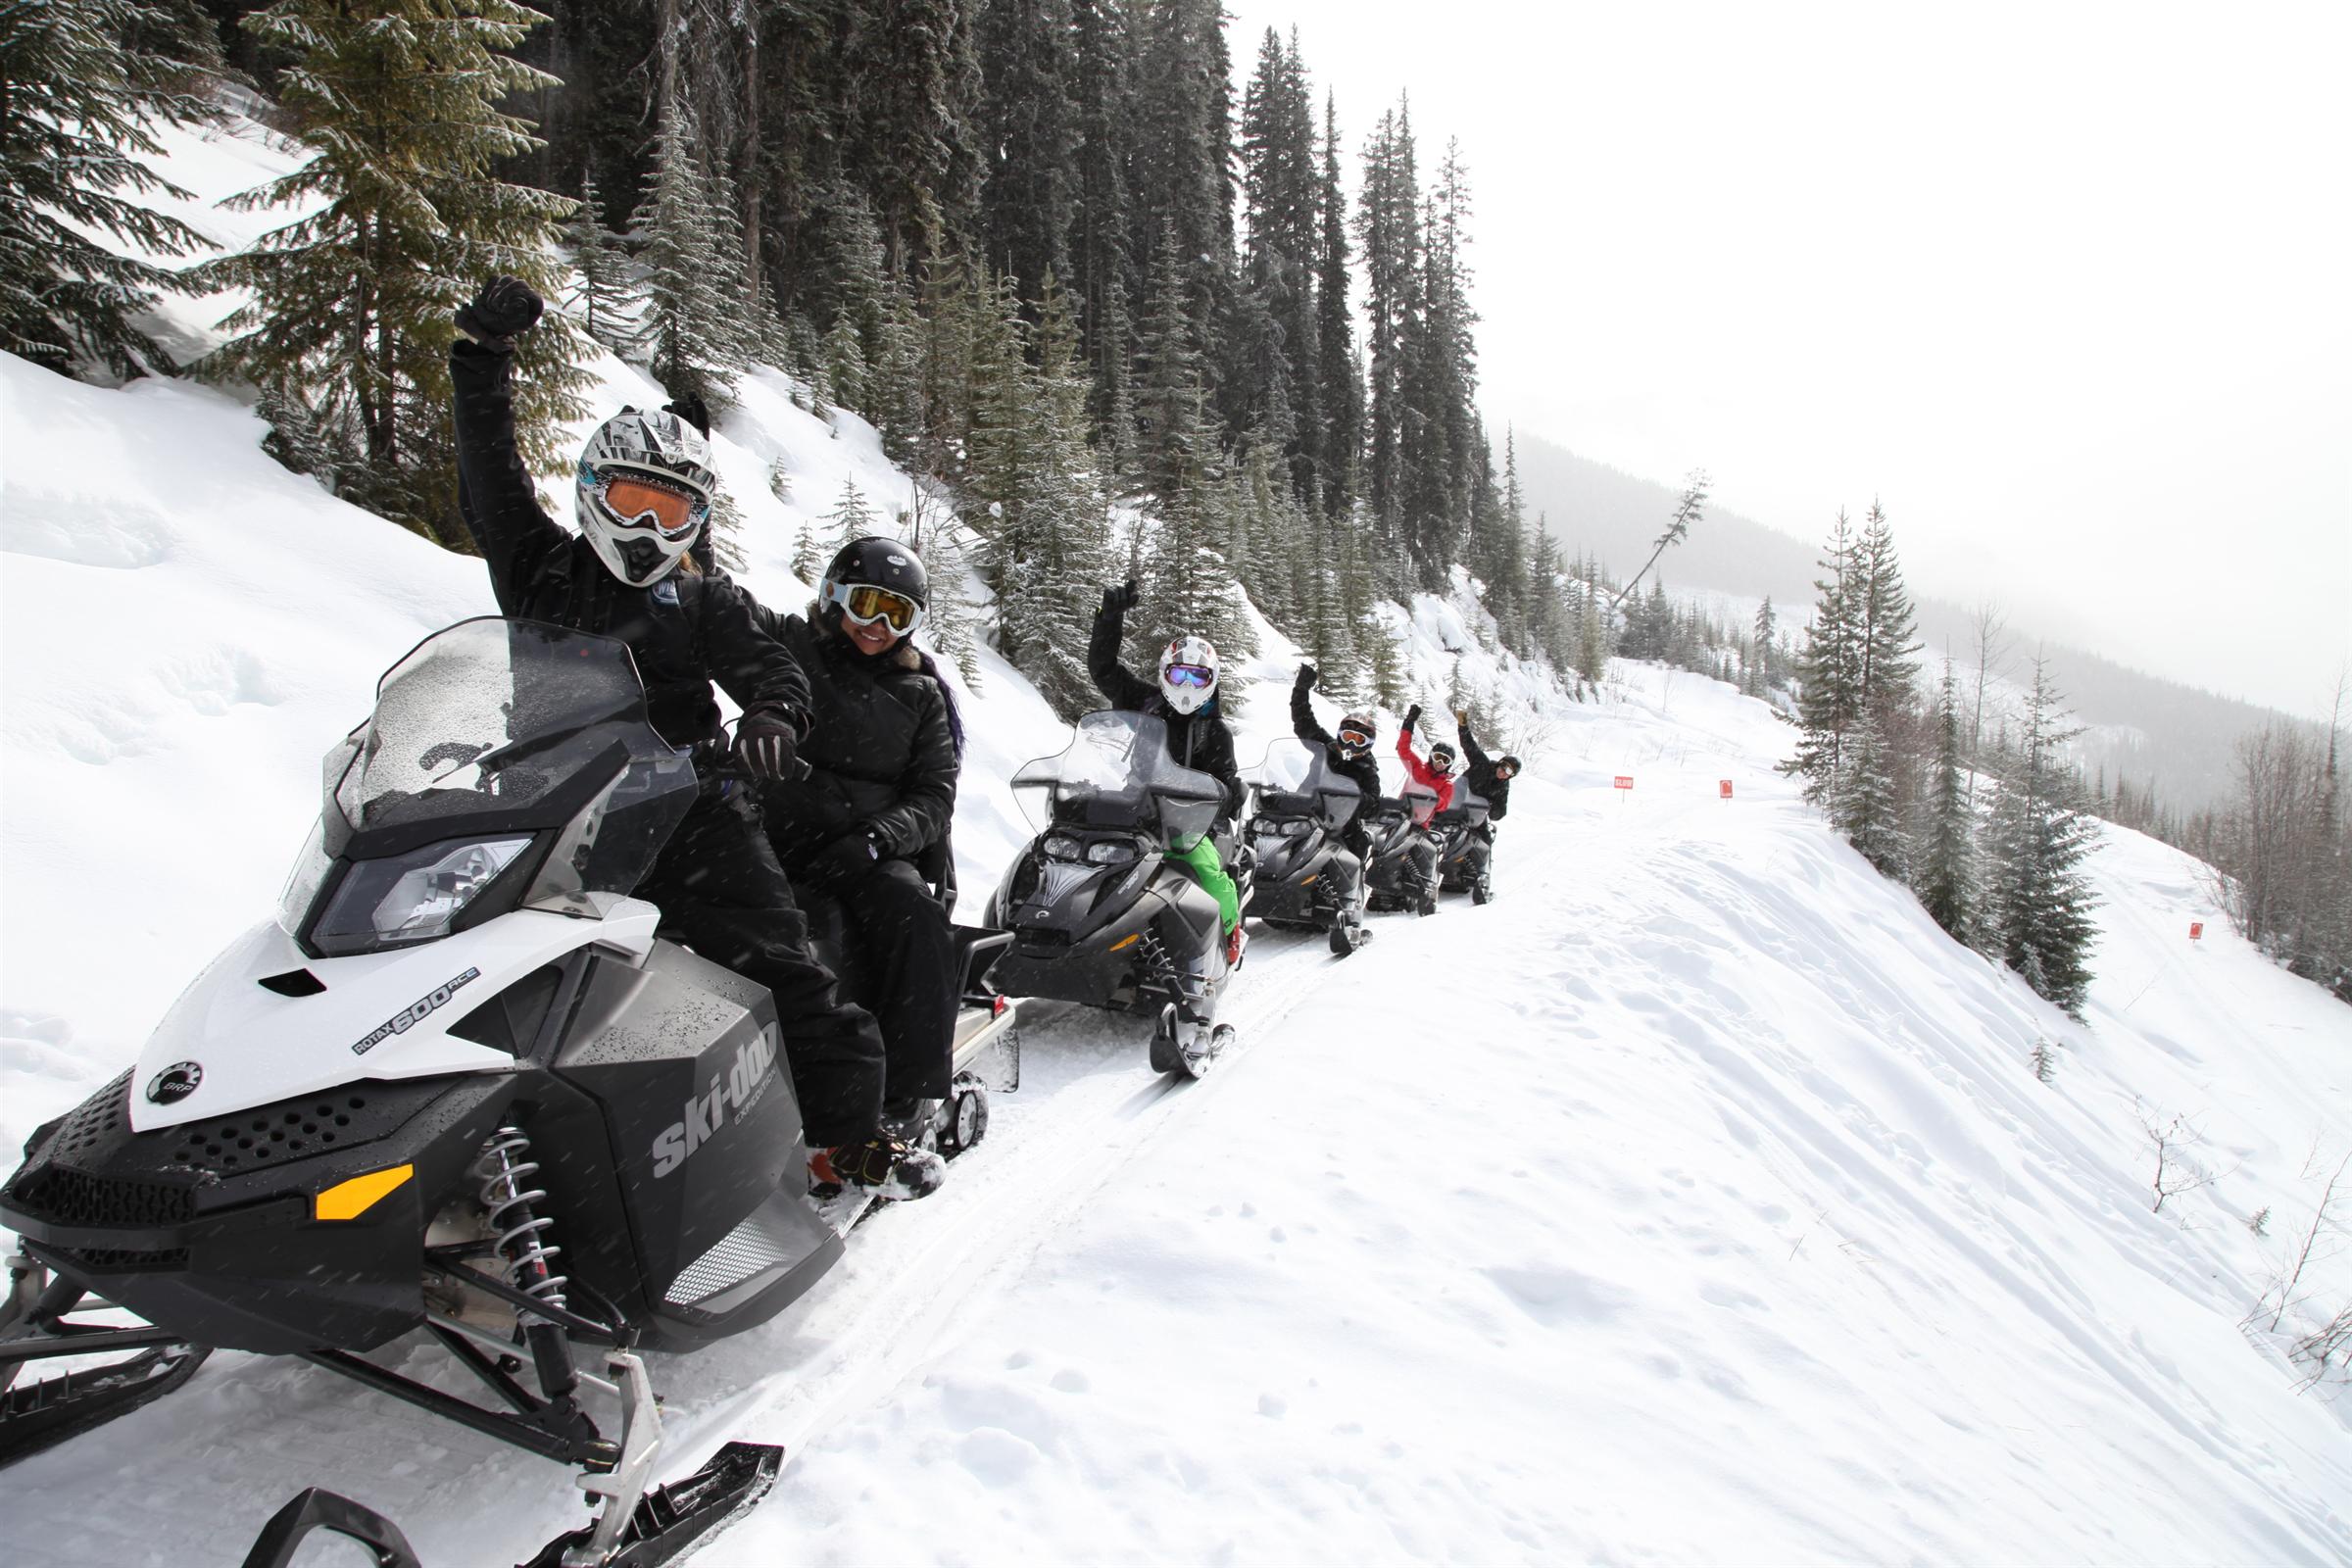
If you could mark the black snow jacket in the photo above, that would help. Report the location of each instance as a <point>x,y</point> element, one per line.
<point>880,750</point>
<point>1360,767</point>
<point>685,631</point>
<point>1198,740</point>
<point>1497,792</point>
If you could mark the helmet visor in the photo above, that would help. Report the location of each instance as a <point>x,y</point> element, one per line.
<point>865,603</point>
<point>642,503</point>
<point>1200,675</point>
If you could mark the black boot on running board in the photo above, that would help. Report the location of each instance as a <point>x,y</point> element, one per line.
<point>882,1167</point>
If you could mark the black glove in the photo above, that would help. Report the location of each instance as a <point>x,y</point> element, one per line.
<point>693,410</point>
<point>1412,719</point>
<point>1124,598</point>
<point>846,858</point>
<point>1306,677</point>
<point>767,743</point>
<point>506,306</point>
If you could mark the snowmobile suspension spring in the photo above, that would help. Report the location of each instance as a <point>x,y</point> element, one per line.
<point>519,1233</point>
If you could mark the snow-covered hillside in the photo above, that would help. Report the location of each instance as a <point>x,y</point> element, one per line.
<point>1693,1203</point>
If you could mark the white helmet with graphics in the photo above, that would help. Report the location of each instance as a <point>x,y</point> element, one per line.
<point>1188,673</point>
<point>644,495</point>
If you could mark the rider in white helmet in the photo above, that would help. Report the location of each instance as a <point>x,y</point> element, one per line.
<point>1185,699</point>
<point>643,496</point>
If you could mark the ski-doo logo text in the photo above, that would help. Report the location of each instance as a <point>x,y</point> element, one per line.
<point>737,1089</point>
<point>175,1083</point>
<point>416,1013</point>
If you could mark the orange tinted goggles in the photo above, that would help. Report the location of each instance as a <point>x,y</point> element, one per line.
<point>866,603</point>
<point>635,498</point>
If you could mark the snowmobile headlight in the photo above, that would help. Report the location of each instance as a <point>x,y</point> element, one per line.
<point>1110,852</point>
<point>1062,847</point>
<point>409,898</point>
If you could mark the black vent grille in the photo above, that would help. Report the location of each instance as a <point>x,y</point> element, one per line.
<point>69,1197</point>
<point>95,1125</point>
<point>253,1138</point>
<point>105,1259</point>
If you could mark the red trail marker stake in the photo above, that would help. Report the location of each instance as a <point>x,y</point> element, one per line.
<point>2196,930</point>
<point>1725,787</point>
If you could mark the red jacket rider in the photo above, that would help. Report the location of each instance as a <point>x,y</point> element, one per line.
<point>1440,782</point>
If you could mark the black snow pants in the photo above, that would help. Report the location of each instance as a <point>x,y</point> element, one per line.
<point>898,958</point>
<point>722,894</point>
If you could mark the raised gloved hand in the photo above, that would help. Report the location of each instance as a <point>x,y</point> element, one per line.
<point>505,308</point>
<point>1308,675</point>
<point>1124,598</point>
<point>846,858</point>
<point>1412,719</point>
<point>767,743</point>
<point>1462,717</point>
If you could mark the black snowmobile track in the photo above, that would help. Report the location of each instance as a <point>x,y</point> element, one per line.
<point>40,1414</point>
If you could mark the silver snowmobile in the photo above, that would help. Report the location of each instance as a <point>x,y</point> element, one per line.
<point>1300,867</point>
<point>459,1086</point>
<point>1099,912</point>
<point>1395,822</point>
<point>1461,867</point>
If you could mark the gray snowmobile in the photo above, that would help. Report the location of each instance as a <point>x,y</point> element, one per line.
<point>1099,912</point>
<point>1301,869</point>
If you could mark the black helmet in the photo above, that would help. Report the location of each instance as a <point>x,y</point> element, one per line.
<point>879,562</point>
<point>1506,760</point>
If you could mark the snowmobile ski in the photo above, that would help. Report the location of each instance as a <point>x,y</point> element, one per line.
<point>670,1521</point>
<point>35,1326</point>
<point>320,1509</point>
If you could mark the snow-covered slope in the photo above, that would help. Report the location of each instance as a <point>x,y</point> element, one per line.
<point>1693,1203</point>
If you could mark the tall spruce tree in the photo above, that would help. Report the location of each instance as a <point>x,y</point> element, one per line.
<point>1946,879</point>
<point>1340,395</point>
<point>1028,127</point>
<point>1389,234</point>
<point>1829,670</point>
<point>2038,900</point>
<point>350,305</point>
<point>696,334</point>
<point>77,116</point>
<point>604,296</point>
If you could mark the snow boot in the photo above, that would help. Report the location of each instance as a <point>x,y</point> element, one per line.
<point>887,1167</point>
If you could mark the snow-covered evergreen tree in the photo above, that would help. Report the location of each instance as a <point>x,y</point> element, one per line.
<point>1945,874</point>
<point>2037,898</point>
<point>77,110</point>
<point>351,303</point>
<point>1829,671</point>
<point>604,296</point>
<point>693,332</point>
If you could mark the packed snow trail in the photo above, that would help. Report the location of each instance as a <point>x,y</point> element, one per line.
<point>1692,1202</point>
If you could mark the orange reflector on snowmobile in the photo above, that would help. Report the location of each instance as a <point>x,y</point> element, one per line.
<point>1126,942</point>
<point>354,1198</point>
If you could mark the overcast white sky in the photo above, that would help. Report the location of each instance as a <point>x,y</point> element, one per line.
<point>2068,286</point>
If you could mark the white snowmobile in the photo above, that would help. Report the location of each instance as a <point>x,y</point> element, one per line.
<point>1099,912</point>
<point>459,1086</point>
<point>1298,868</point>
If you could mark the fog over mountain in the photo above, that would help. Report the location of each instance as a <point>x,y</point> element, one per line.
<point>2140,725</point>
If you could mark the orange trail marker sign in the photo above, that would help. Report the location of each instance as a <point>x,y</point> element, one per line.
<point>1726,789</point>
<point>2196,930</point>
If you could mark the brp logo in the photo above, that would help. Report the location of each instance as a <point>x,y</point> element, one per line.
<point>174,1083</point>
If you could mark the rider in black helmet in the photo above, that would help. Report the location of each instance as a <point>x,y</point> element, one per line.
<point>643,490</point>
<point>865,830</point>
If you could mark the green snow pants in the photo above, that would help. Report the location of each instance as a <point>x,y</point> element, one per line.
<point>1209,869</point>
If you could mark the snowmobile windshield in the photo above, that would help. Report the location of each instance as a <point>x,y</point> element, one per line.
<point>1118,773</point>
<point>1468,809</point>
<point>1295,780</point>
<point>1401,789</point>
<point>498,723</point>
